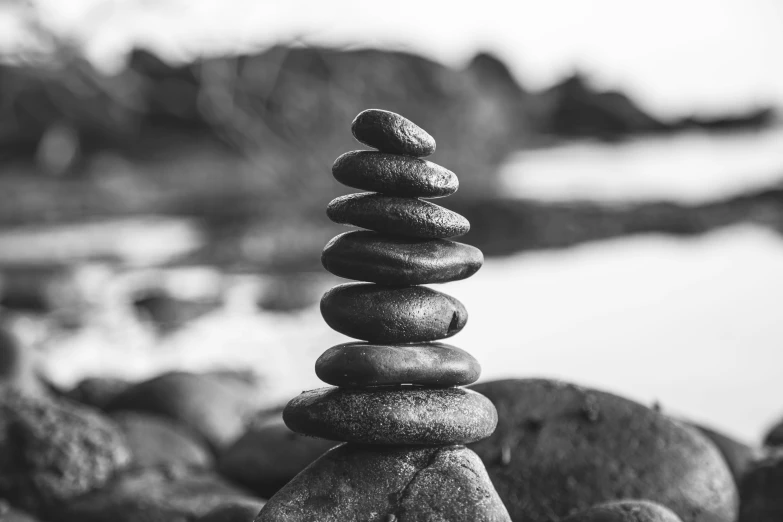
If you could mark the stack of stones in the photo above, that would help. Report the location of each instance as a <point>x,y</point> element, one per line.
<point>395,399</point>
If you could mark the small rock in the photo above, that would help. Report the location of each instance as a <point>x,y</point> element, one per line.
<point>397,216</point>
<point>396,261</point>
<point>361,483</point>
<point>155,495</point>
<point>53,451</point>
<point>212,406</point>
<point>390,132</point>
<point>98,391</point>
<point>394,175</point>
<point>381,314</point>
<point>625,511</point>
<point>364,364</point>
<point>392,415</point>
<point>158,441</point>
<point>548,458</point>
<point>234,512</point>
<point>264,459</point>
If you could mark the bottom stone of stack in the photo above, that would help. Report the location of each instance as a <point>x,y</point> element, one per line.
<point>355,483</point>
<point>398,415</point>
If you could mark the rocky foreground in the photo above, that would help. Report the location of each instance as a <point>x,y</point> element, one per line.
<point>207,447</point>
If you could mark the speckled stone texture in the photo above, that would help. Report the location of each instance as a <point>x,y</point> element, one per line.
<point>397,216</point>
<point>155,495</point>
<point>392,416</point>
<point>625,511</point>
<point>53,451</point>
<point>394,175</point>
<point>761,491</point>
<point>559,448</point>
<point>390,132</point>
<point>212,406</point>
<point>158,441</point>
<point>365,364</point>
<point>266,457</point>
<point>360,484</point>
<point>388,260</point>
<point>234,512</point>
<point>382,314</point>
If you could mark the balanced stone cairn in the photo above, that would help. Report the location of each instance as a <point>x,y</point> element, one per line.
<point>395,399</point>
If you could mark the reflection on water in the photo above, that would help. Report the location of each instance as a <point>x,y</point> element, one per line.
<point>694,324</point>
<point>688,168</point>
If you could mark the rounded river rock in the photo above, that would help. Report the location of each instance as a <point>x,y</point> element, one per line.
<point>394,175</point>
<point>390,132</point>
<point>53,451</point>
<point>382,314</point>
<point>392,415</point>
<point>397,216</point>
<point>402,484</point>
<point>365,364</point>
<point>625,511</point>
<point>266,457</point>
<point>561,448</point>
<point>368,256</point>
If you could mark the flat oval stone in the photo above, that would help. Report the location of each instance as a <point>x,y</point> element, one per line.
<point>398,216</point>
<point>365,364</point>
<point>390,132</point>
<point>393,260</point>
<point>394,415</point>
<point>394,175</point>
<point>383,314</point>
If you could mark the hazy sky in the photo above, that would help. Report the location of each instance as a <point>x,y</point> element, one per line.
<point>674,56</point>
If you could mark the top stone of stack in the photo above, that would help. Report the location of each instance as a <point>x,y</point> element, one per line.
<point>390,132</point>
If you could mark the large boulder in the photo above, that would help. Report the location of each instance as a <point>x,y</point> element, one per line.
<point>625,511</point>
<point>561,448</point>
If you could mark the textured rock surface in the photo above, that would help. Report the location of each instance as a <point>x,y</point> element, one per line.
<point>560,448</point>
<point>234,512</point>
<point>265,458</point>
<point>360,484</point>
<point>212,406</point>
<point>394,415</point>
<point>390,132</point>
<point>53,451</point>
<point>625,511</point>
<point>383,314</point>
<point>368,256</point>
<point>398,216</point>
<point>158,441</point>
<point>155,495</point>
<point>364,364</point>
<point>738,456</point>
<point>394,175</point>
<point>761,491</point>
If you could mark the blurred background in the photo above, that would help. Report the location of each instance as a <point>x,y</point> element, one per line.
<point>165,167</point>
